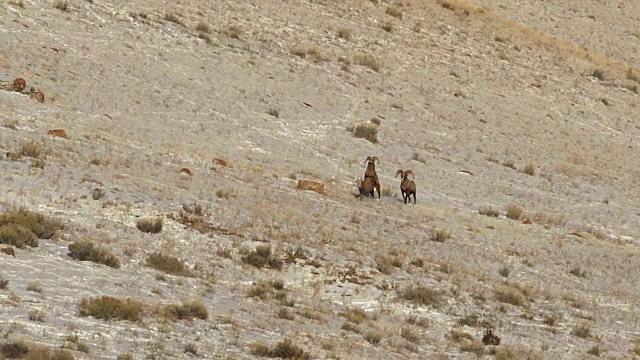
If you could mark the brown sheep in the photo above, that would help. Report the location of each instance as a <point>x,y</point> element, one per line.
<point>407,187</point>
<point>365,187</point>
<point>370,173</point>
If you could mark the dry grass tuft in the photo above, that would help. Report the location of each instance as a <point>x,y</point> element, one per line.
<point>510,295</point>
<point>489,211</point>
<point>203,27</point>
<point>167,264</point>
<point>86,250</point>
<point>3,283</point>
<point>368,61</point>
<point>529,169</point>
<point>345,33</point>
<point>263,257</point>
<point>386,263</point>
<point>285,349</point>
<point>62,5</point>
<point>23,350</point>
<point>31,149</point>
<point>365,131</point>
<point>514,212</point>
<point>171,17</point>
<point>43,227</point>
<point>149,225</point>
<point>18,236</point>
<point>109,308</point>
<point>422,296</point>
<point>440,236</point>
<point>232,31</point>
<point>394,11</point>
<point>186,311</point>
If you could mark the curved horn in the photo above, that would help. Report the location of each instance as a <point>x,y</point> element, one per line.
<point>375,158</point>
<point>409,172</point>
<point>367,159</point>
<point>399,172</point>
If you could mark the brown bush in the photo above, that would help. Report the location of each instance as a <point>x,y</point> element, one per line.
<point>85,250</point>
<point>108,308</point>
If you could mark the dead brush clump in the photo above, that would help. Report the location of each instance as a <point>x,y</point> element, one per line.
<point>149,225</point>
<point>171,17</point>
<point>110,308</point>
<point>264,289</point>
<point>423,296</point>
<point>185,311</point>
<point>311,52</point>
<point>514,212</point>
<point>474,320</point>
<point>167,264</point>
<point>355,315</point>
<point>440,236</point>
<point>86,250</point>
<point>368,132</point>
<point>62,5</point>
<point>285,349</point>
<point>510,295</point>
<point>367,60</point>
<point>203,27</point>
<point>386,263</point>
<point>489,211</point>
<point>394,11</point>
<point>23,350</point>
<point>18,236</point>
<point>410,334</point>
<point>233,31</point>
<point>261,257</point>
<point>42,226</point>
<point>344,33</point>
<point>3,283</point>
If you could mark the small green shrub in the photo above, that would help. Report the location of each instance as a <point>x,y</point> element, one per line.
<point>43,227</point>
<point>365,131</point>
<point>168,264</point>
<point>148,225</point>
<point>85,250</point>
<point>108,308</point>
<point>422,296</point>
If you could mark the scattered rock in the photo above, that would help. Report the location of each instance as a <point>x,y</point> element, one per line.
<point>9,251</point>
<point>58,133</point>
<point>316,186</point>
<point>220,162</point>
<point>19,84</point>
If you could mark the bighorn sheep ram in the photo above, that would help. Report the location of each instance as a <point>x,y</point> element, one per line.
<point>407,187</point>
<point>365,187</point>
<point>371,174</point>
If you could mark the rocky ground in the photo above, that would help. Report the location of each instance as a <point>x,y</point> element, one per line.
<point>523,110</point>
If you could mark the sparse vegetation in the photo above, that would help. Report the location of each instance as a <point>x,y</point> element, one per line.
<point>529,169</point>
<point>365,131</point>
<point>368,61</point>
<point>344,33</point>
<point>510,295</point>
<point>62,5</point>
<point>394,11</point>
<point>110,308</point>
<point>232,31</point>
<point>36,315</point>
<point>514,212</point>
<point>422,296</point>
<point>263,257</point>
<point>598,74</point>
<point>285,349</point>
<point>273,112</point>
<point>167,264</point>
<point>86,250</point>
<point>440,236</point>
<point>149,225</point>
<point>171,17</point>
<point>185,311</point>
<point>10,124</point>
<point>504,271</point>
<point>23,221</point>
<point>577,271</point>
<point>489,211</point>
<point>203,27</point>
<point>373,337</point>
<point>18,236</point>
<point>35,286</point>
<point>582,329</point>
<point>26,351</point>
<point>3,283</point>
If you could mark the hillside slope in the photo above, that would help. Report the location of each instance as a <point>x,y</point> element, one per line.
<point>492,109</point>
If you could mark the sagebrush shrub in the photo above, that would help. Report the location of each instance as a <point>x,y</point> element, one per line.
<point>149,225</point>
<point>109,308</point>
<point>85,250</point>
<point>168,264</point>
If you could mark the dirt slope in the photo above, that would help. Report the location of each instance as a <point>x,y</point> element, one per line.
<point>493,105</point>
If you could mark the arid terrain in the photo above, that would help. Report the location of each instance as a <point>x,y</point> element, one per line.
<point>165,220</point>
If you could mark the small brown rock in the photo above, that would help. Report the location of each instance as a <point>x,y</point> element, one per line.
<point>58,133</point>
<point>316,186</point>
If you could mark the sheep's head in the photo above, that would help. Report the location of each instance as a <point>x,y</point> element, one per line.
<point>407,173</point>
<point>372,159</point>
<point>399,173</point>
